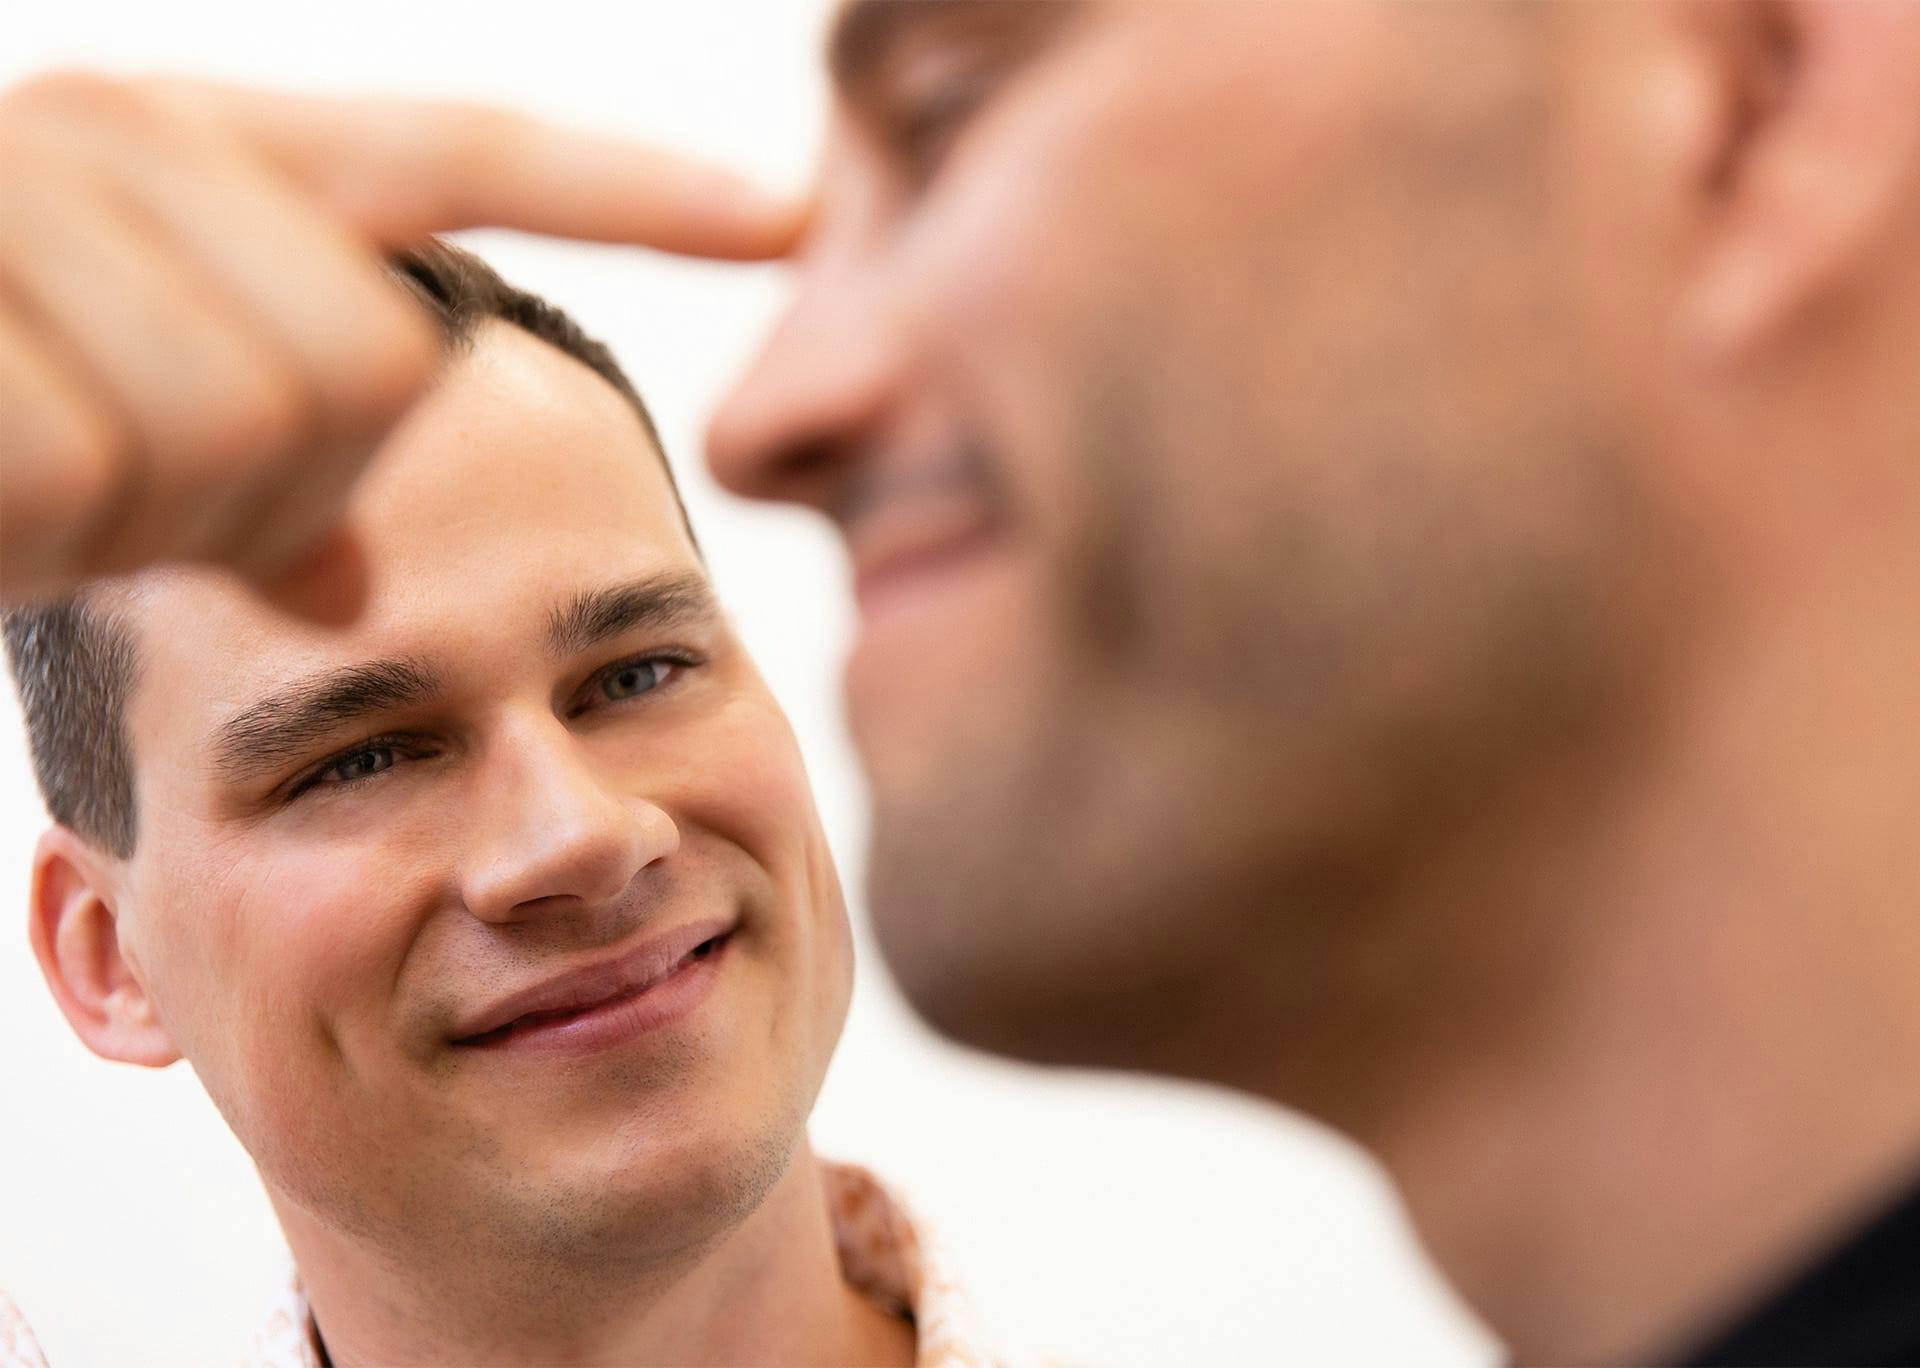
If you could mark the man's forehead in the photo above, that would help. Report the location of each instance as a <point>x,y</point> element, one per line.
<point>516,441</point>
<point>521,472</point>
<point>523,482</point>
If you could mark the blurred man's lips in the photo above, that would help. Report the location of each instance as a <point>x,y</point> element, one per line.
<point>649,985</point>
<point>894,551</point>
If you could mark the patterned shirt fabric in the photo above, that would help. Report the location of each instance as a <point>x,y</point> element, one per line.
<point>18,1349</point>
<point>885,1254</point>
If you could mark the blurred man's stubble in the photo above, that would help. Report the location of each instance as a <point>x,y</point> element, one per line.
<point>1325,671</point>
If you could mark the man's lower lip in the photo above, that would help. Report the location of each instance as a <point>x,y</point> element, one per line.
<point>618,1019</point>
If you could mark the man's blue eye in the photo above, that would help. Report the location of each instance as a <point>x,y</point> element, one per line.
<point>629,681</point>
<point>361,764</point>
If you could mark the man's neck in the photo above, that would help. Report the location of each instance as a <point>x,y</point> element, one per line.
<point>769,1289</point>
<point>1677,1059</point>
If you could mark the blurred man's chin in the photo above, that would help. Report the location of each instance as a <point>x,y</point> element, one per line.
<point>1008,983</point>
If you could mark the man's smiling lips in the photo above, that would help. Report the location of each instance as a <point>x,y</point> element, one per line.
<point>897,547</point>
<point>647,986</point>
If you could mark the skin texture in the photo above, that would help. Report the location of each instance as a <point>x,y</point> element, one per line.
<point>1378,528</point>
<point>311,955</point>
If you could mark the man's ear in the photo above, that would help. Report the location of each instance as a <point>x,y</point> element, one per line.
<point>75,929</point>
<point>1815,162</point>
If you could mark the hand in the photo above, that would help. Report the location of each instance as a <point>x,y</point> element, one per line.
<point>199,346</point>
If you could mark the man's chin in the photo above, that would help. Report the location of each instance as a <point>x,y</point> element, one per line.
<point>645,1205</point>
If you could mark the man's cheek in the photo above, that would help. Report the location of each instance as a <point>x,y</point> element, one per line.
<point>309,1050</point>
<point>745,776</point>
<point>308,950</point>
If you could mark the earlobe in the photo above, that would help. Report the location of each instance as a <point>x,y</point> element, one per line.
<point>76,933</point>
<point>1819,159</point>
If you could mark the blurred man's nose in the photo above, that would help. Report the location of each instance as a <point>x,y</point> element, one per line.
<point>552,837</point>
<point>821,385</point>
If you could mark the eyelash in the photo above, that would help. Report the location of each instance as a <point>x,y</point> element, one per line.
<point>677,658</point>
<point>317,776</point>
<point>412,749</point>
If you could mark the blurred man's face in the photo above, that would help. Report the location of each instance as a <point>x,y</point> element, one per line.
<point>499,922</point>
<point>1212,398</point>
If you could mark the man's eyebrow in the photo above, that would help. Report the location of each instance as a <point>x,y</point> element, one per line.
<point>284,724</point>
<point>673,599</point>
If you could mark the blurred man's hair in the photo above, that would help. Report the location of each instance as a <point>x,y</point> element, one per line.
<point>73,657</point>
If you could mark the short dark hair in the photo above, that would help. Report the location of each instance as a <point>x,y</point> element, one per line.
<point>73,657</point>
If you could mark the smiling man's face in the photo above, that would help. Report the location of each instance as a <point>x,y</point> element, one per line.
<point>502,916</point>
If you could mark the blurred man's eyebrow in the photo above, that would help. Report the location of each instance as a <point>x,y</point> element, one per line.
<point>868,36</point>
<point>671,599</point>
<point>866,33</point>
<point>286,723</point>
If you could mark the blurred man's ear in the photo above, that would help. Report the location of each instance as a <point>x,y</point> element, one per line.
<point>1810,175</point>
<point>76,934</point>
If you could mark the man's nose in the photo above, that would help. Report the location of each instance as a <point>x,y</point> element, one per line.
<point>822,383</point>
<point>552,836</point>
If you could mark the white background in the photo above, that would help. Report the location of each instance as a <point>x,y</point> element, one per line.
<point>1108,1221</point>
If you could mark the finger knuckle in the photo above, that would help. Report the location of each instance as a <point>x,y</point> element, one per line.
<point>396,361</point>
<point>33,181</point>
<point>266,416</point>
<point>80,472</point>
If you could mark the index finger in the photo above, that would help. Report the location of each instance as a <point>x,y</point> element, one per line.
<point>401,169</point>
